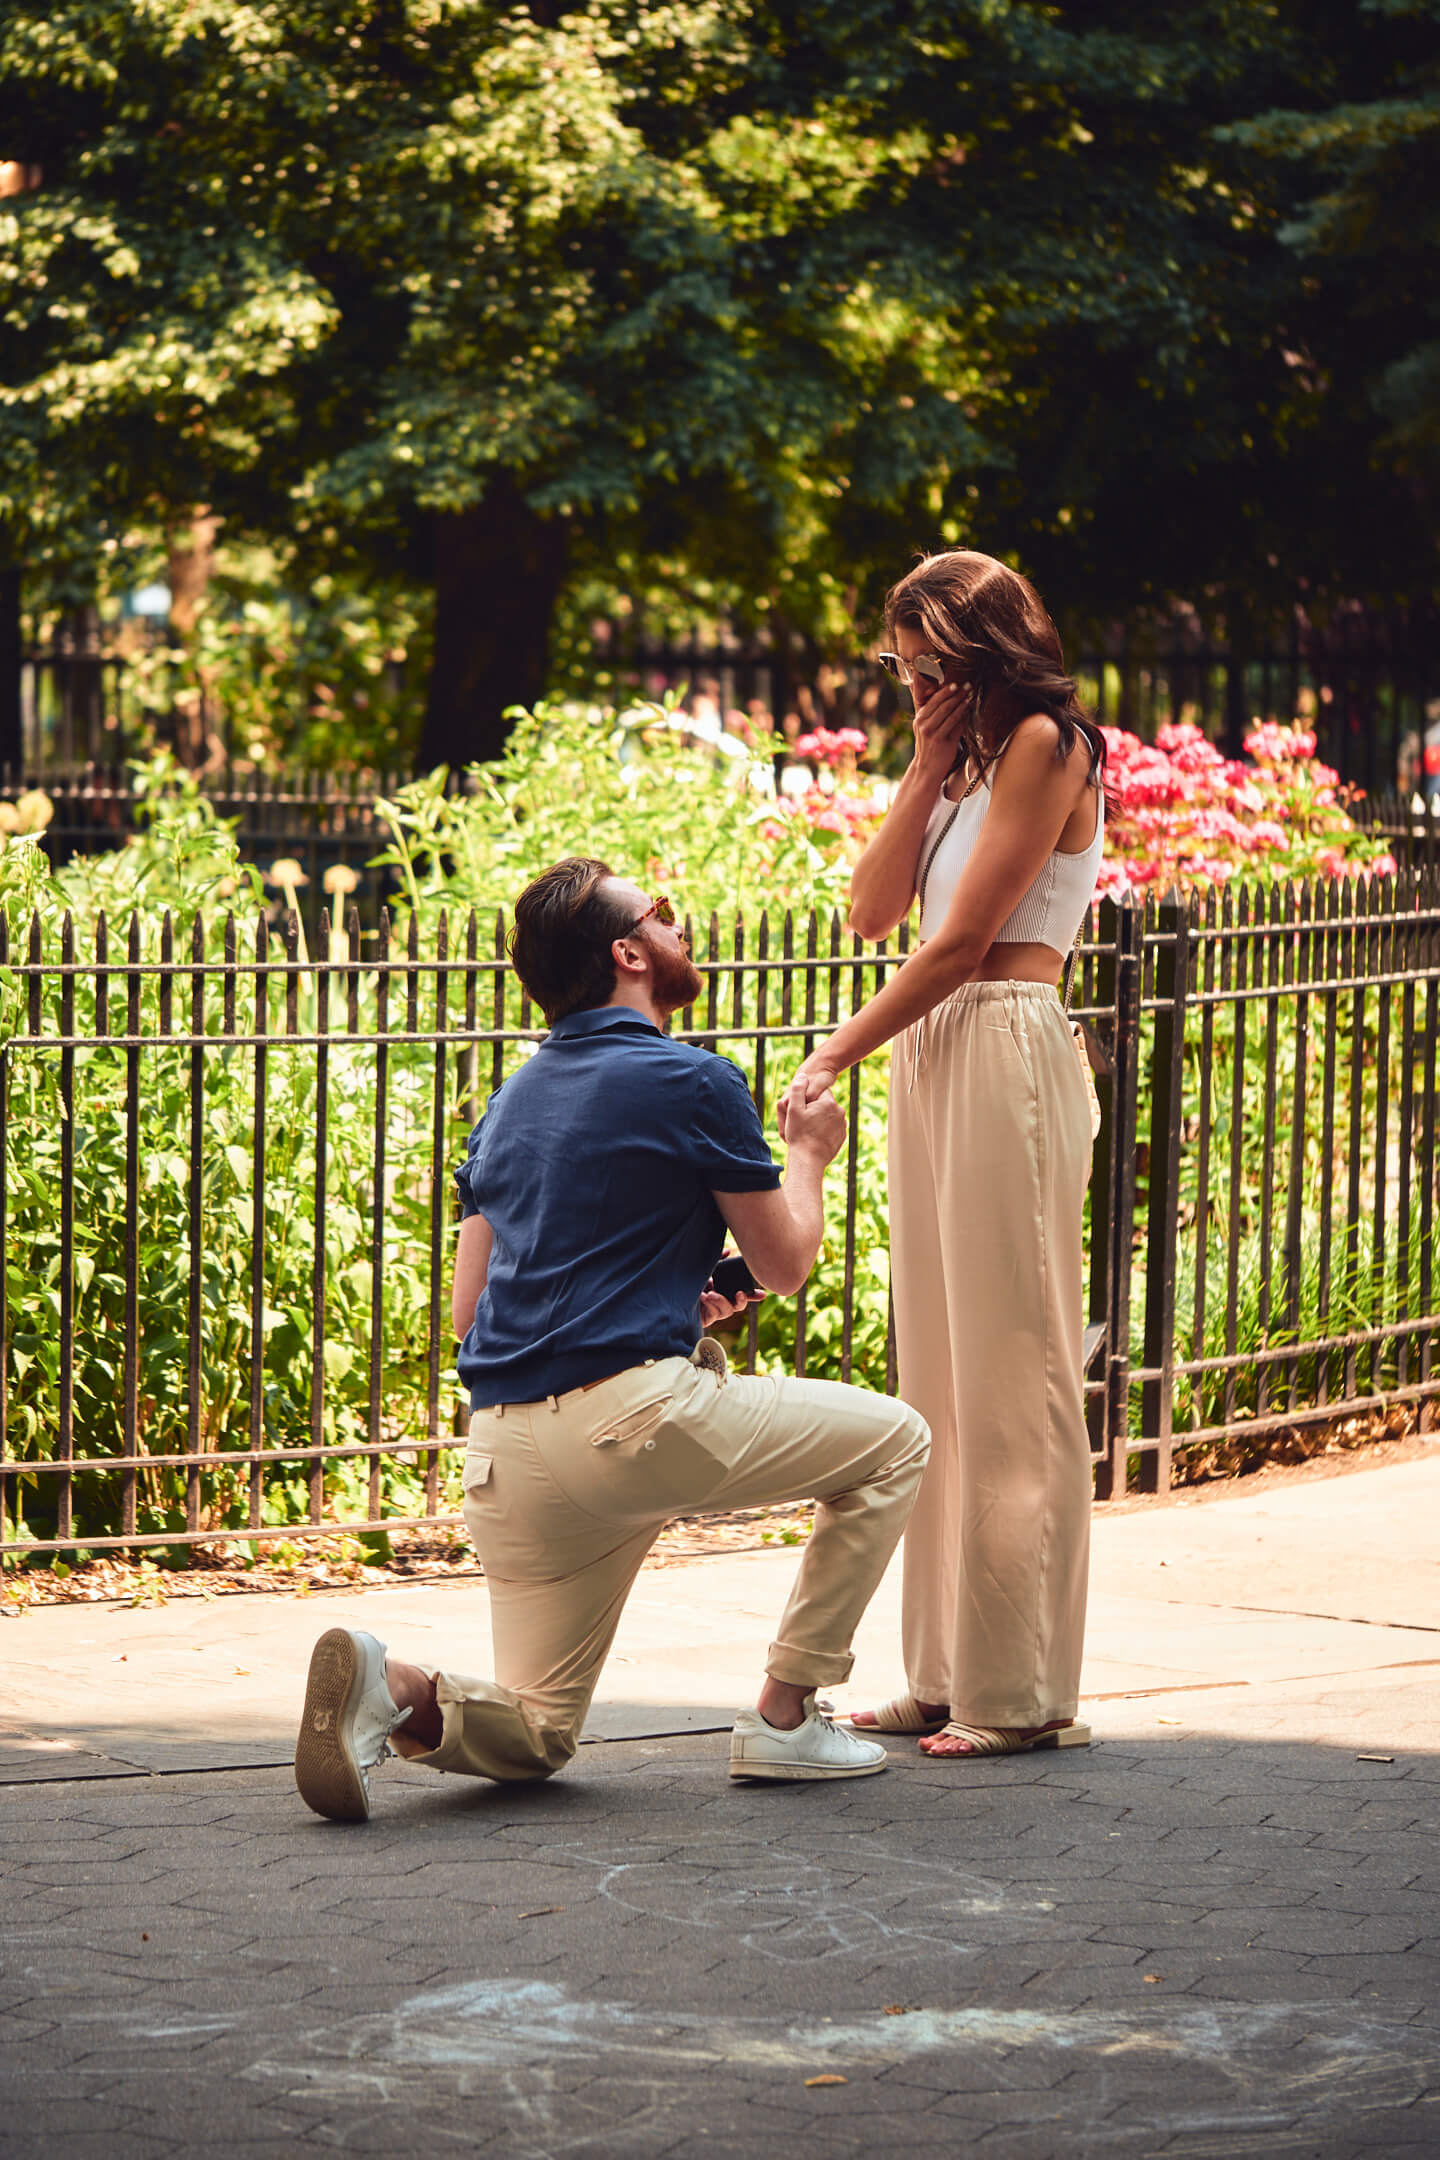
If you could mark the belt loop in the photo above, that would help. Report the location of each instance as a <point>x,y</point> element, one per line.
<point>554,1402</point>
<point>499,1409</point>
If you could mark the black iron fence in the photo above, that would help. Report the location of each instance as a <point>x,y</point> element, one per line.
<point>226,1202</point>
<point>326,828</point>
<point>325,825</point>
<point>1370,684</point>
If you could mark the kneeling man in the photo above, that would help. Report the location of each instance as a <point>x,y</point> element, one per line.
<point>596,1194</point>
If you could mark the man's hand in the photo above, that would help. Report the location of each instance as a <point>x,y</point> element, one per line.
<point>713,1306</point>
<point>808,1114</point>
<point>779,1232</point>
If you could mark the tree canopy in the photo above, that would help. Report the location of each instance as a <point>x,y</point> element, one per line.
<point>482,294</point>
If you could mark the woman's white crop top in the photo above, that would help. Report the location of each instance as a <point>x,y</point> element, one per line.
<point>1053,909</point>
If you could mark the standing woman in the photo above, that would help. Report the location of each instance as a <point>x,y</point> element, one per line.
<point>997,828</point>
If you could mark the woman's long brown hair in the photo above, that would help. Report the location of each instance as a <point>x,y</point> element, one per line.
<point>993,624</point>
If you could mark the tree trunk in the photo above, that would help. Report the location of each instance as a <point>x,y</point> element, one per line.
<point>12,744</point>
<point>81,733</point>
<point>189,571</point>
<point>498,572</point>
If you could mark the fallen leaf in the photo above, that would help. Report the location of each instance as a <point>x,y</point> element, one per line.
<point>144,1938</point>
<point>827,2077</point>
<point>242,1672</point>
<point>540,1912</point>
<point>1151,1978</point>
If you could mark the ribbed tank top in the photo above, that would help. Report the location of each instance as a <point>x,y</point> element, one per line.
<point>1053,909</point>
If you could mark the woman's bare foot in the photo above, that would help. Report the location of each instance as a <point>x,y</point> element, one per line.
<point>863,1719</point>
<point>1013,1739</point>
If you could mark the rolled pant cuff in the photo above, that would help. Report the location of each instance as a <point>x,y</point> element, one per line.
<point>808,1668</point>
<point>452,1701</point>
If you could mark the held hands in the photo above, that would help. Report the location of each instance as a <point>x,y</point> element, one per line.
<point>808,1113</point>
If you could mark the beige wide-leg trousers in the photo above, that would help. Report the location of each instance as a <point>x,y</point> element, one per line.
<point>564,1498</point>
<point>989,1158</point>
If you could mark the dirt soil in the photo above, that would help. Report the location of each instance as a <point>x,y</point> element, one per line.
<point>295,1567</point>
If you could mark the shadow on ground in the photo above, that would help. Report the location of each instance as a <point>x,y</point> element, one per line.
<point>1190,1946</point>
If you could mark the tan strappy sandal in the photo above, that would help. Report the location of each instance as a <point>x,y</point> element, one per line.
<point>903,1715</point>
<point>1002,1740</point>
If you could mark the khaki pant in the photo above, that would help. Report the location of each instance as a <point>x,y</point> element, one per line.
<point>989,1157</point>
<point>564,1498</point>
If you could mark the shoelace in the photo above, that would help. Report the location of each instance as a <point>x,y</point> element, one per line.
<point>386,1751</point>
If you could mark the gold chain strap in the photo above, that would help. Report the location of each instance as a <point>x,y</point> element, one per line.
<point>940,837</point>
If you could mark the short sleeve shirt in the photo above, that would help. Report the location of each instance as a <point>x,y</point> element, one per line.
<point>596,1167</point>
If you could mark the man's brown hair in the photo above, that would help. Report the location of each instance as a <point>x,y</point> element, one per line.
<point>564,928</point>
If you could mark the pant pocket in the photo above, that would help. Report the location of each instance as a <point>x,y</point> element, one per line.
<point>648,1461</point>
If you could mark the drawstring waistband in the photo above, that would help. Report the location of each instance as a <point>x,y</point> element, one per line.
<point>916,1038</point>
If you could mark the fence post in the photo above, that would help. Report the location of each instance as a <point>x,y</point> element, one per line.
<point>1101,1001</point>
<point>1126,922</point>
<point>1162,1225</point>
<point>12,660</point>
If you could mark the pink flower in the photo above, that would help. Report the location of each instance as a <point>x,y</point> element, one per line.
<point>1181,812</point>
<point>832,746</point>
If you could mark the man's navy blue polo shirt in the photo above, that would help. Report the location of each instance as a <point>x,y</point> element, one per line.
<point>595,1167</point>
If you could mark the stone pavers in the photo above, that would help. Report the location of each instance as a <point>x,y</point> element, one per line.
<point>1193,1945</point>
<point>1216,1933</point>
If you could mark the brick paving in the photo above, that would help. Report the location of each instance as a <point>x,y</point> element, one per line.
<point>1191,1945</point>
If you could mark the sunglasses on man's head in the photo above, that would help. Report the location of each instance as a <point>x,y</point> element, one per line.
<point>660,908</point>
<point>925,664</point>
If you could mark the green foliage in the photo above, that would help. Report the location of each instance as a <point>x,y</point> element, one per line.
<point>1361,158</point>
<point>1294,1234</point>
<point>762,299</point>
<point>704,823</point>
<point>327,678</point>
<point>629,786</point>
<point>203,1204</point>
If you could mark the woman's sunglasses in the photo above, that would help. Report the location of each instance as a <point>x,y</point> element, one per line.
<point>660,908</point>
<point>926,665</point>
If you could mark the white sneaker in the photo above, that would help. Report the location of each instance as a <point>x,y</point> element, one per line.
<point>346,1725</point>
<point>816,1749</point>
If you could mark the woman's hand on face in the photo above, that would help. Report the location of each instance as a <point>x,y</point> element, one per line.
<point>938,725</point>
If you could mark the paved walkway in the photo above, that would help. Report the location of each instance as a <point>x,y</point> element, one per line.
<point>1217,1932</point>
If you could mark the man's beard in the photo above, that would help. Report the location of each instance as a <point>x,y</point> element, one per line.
<point>675,980</point>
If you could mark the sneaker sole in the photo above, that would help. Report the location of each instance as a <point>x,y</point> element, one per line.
<point>795,1773</point>
<point>327,1776</point>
